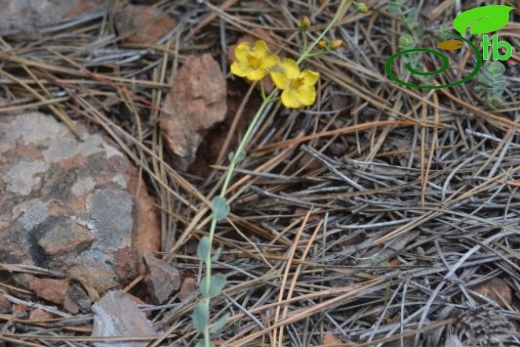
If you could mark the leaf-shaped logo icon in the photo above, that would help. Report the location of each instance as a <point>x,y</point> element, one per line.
<point>451,45</point>
<point>485,19</point>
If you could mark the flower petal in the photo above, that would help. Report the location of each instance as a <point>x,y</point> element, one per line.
<point>290,99</point>
<point>280,80</point>
<point>260,49</point>
<point>270,61</point>
<point>255,74</point>
<point>306,95</point>
<point>242,50</point>
<point>240,69</point>
<point>309,77</point>
<point>290,68</point>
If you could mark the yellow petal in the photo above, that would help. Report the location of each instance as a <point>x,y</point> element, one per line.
<point>290,68</point>
<point>242,51</point>
<point>309,77</point>
<point>306,95</point>
<point>260,50</point>
<point>239,69</point>
<point>270,61</point>
<point>280,80</point>
<point>255,75</point>
<point>290,99</point>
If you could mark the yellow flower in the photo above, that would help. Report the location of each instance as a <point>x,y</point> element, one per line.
<point>298,86</point>
<point>253,62</point>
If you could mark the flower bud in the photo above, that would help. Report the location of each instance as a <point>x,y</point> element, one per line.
<point>304,23</point>
<point>323,44</point>
<point>361,7</point>
<point>336,44</point>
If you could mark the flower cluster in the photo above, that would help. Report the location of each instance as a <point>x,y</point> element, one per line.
<point>254,62</point>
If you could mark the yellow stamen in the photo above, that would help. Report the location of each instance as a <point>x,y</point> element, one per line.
<point>296,83</point>
<point>253,61</point>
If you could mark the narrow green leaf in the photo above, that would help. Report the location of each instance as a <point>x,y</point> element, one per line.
<point>483,19</point>
<point>231,156</point>
<point>200,316</point>
<point>217,254</point>
<point>240,156</point>
<point>219,324</point>
<point>411,15</point>
<point>204,248</point>
<point>220,208</point>
<point>218,282</point>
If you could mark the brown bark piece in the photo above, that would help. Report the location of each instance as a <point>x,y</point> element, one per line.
<point>195,103</point>
<point>162,280</point>
<point>497,290</point>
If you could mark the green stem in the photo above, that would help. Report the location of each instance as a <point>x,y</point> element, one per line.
<point>305,41</point>
<point>229,174</point>
<point>227,180</point>
<point>341,12</point>
<point>207,340</point>
<point>241,149</point>
<point>244,141</point>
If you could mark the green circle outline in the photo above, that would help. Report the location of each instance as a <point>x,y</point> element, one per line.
<point>445,64</point>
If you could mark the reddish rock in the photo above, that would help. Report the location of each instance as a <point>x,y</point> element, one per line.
<point>188,287</point>
<point>66,236</point>
<point>330,340</point>
<point>126,262</point>
<point>146,236</point>
<point>76,300</point>
<point>20,311</point>
<point>49,289</point>
<point>138,301</point>
<point>194,104</point>
<point>40,315</point>
<point>162,280</point>
<point>143,24</point>
<point>5,305</point>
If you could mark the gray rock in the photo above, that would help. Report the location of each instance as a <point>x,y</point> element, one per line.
<point>69,205</point>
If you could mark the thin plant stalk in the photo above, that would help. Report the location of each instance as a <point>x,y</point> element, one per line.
<point>240,153</point>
